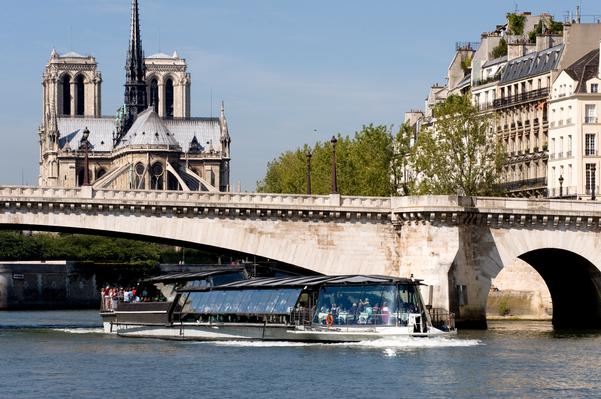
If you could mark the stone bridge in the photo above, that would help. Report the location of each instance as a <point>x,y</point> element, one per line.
<point>455,244</point>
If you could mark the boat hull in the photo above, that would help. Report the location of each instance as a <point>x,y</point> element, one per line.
<point>236,332</point>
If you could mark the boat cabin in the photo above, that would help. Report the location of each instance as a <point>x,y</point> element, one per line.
<point>314,301</point>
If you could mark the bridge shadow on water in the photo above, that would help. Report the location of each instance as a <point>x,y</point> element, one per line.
<point>575,287</point>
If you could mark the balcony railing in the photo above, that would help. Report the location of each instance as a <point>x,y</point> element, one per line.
<point>590,152</point>
<point>525,184</point>
<point>590,119</point>
<point>520,98</point>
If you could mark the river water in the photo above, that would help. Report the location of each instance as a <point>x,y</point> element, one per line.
<point>63,354</point>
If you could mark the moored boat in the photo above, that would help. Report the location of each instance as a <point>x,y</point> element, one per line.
<point>307,308</point>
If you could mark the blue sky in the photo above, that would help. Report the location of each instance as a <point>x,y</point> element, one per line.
<point>283,68</point>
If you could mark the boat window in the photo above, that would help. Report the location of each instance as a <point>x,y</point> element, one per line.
<point>356,305</point>
<point>260,301</point>
<point>228,278</point>
<point>409,298</point>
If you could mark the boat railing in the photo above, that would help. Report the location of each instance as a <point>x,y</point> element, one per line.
<point>109,303</point>
<point>442,319</point>
<point>301,317</point>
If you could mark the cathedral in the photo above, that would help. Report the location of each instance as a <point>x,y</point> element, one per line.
<point>151,144</point>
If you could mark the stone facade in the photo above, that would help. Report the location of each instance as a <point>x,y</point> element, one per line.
<point>170,151</point>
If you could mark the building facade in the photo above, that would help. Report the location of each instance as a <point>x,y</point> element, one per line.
<point>574,130</point>
<point>152,143</point>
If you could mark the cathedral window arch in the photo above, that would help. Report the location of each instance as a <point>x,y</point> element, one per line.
<point>169,97</point>
<point>80,101</point>
<point>139,172</point>
<point>153,94</point>
<point>156,176</point>
<point>66,93</point>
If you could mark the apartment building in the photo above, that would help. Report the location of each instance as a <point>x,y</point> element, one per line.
<point>574,130</point>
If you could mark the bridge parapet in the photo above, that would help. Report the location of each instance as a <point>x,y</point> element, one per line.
<point>181,203</point>
<point>497,212</point>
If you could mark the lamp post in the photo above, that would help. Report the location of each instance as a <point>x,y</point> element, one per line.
<point>560,186</point>
<point>334,182</point>
<point>85,144</point>
<point>308,154</point>
<point>594,181</point>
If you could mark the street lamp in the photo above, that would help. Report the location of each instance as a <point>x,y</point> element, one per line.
<point>85,145</point>
<point>308,154</point>
<point>560,186</point>
<point>334,182</point>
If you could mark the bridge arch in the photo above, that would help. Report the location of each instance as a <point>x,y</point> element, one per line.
<point>574,284</point>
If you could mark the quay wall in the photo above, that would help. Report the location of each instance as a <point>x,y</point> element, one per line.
<point>46,285</point>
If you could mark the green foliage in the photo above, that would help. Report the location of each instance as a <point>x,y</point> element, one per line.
<point>87,248</point>
<point>545,26</point>
<point>363,166</point>
<point>466,64</point>
<point>516,23</point>
<point>504,309</point>
<point>459,154</point>
<point>500,49</point>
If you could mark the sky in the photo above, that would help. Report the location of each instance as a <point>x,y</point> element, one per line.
<point>289,72</point>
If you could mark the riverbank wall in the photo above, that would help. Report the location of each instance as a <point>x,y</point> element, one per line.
<point>46,285</point>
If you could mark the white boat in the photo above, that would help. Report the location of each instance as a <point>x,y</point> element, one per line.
<point>308,308</point>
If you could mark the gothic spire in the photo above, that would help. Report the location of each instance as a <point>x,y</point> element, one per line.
<point>135,70</point>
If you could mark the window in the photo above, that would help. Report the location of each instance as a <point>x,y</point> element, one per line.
<point>590,176</point>
<point>594,87</point>
<point>169,98</point>
<point>154,95</point>
<point>589,144</point>
<point>569,176</point>
<point>569,149</point>
<point>156,176</point>
<point>79,96</point>
<point>242,302</point>
<point>66,95</point>
<point>590,113</point>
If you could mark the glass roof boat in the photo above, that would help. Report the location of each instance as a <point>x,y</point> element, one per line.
<point>302,308</point>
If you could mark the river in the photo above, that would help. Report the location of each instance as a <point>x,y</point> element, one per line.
<point>63,354</point>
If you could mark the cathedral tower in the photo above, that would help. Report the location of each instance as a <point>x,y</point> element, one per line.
<point>135,71</point>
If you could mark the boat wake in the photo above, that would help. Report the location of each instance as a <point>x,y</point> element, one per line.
<point>390,346</point>
<point>80,330</point>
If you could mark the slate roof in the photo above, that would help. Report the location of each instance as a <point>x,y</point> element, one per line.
<point>494,61</point>
<point>532,64</point>
<point>101,132</point>
<point>148,130</point>
<point>584,69</point>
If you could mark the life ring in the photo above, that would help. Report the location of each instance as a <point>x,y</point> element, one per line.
<point>329,320</point>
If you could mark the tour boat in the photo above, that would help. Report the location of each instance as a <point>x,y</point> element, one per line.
<point>320,308</point>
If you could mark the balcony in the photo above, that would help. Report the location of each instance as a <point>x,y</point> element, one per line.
<point>568,154</point>
<point>560,155</point>
<point>590,152</point>
<point>521,98</point>
<point>590,119</point>
<point>536,183</point>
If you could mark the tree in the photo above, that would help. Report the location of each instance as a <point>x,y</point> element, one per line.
<point>459,154</point>
<point>364,166</point>
<point>500,49</point>
<point>404,171</point>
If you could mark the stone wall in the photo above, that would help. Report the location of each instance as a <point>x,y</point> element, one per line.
<point>46,285</point>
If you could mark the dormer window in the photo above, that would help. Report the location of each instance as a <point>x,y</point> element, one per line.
<point>594,88</point>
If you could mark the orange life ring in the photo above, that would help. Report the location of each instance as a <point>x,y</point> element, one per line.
<point>329,320</point>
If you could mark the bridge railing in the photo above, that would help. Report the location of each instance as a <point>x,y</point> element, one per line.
<point>250,199</point>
